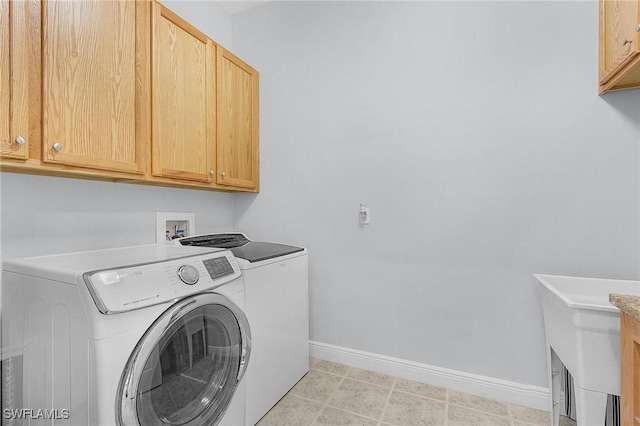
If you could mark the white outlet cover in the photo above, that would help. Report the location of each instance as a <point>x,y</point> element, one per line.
<point>163,217</point>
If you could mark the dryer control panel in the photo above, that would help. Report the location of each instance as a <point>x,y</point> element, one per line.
<point>138,286</point>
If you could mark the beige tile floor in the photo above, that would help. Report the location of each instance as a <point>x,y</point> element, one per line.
<point>336,394</point>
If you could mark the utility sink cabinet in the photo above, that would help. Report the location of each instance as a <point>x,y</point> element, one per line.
<point>629,304</point>
<point>619,45</point>
<point>630,369</point>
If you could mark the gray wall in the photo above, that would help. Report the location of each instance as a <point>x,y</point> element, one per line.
<point>206,16</point>
<point>46,215</point>
<point>42,215</point>
<point>475,133</point>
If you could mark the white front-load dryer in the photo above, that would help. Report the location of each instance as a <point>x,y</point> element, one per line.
<point>277,294</point>
<point>148,335</point>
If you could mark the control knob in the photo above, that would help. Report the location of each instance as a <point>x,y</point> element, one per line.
<point>188,274</point>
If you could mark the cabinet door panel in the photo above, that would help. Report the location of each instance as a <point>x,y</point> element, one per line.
<point>183,97</point>
<point>619,21</point>
<point>14,121</point>
<point>5,79</point>
<point>237,122</point>
<point>89,88</point>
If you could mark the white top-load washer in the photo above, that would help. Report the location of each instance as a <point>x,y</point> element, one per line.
<point>277,294</point>
<point>146,335</point>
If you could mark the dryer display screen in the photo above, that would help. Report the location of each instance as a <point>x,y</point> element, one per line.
<point>218,267</point>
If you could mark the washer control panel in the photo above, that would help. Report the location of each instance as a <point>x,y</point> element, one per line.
<point>139,286</point>
<point>218,267</point>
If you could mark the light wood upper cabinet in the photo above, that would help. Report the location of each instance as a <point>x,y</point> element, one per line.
<point>123,90</point>
<point>183,92</point>
<point>14,120</point>
<point>237,123</point>
<point>93,63</point>
<point>619,44</point>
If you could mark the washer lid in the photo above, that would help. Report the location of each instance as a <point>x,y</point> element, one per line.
<point>256,251</point>
<point>227,240</point>
<point>241,246</point>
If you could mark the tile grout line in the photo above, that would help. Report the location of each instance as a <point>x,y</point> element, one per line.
<point>466,407</point>
<point>446,407</point>
<point>392,389</point>
<point>345,377</point>
<point>510,414</point>
<point>386,404</point>
<point>351,412</point>
<point>326,402</point>
<point>447,401</point>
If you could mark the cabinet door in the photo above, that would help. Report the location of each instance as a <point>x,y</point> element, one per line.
<point>14,122</point>
<point>620,36</point>
<point>629,369</point>
<point>183,93</point>
<point>238,127</point>
<point>89,83</point>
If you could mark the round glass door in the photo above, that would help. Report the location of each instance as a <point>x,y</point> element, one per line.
<point>185,369</point>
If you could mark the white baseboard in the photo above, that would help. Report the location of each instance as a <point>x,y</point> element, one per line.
<point>489,387</point>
